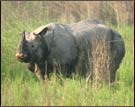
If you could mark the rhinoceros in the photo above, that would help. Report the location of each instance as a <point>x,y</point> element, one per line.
<point>52,43</point>
<point>67,47</point>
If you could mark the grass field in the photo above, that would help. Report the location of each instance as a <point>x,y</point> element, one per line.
<point>20,87</point>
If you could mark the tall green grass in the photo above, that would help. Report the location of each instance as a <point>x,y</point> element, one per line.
<point>20,87</point>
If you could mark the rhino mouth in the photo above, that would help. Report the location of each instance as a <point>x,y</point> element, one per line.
<point>22,57</point>
<point>25,60</point>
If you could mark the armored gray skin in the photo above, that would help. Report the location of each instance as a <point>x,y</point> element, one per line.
<point>84,33</point>
<point>65,47</point>
<point>48,47</point>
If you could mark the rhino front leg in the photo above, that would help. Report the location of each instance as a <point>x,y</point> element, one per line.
<point>40,71</point>
<point>36,69</point>
<point>31,66</point>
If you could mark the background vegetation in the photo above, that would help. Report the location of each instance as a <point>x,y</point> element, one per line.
<point>20,87</point>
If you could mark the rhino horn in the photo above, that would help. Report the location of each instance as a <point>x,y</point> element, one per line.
<point>23,35</point>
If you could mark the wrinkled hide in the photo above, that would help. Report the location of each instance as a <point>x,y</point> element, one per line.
<point>68,47</point>
<point>85,31</point>
<point>56,46</point>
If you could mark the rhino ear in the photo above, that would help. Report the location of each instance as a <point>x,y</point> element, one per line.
<point>42,32</point>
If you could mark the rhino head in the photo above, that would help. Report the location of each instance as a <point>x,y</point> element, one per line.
<point>32,46</point>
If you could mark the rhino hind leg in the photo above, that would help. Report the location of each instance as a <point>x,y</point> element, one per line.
<point>115,65</point>
<point>117,53</point>
<point>113,70</point>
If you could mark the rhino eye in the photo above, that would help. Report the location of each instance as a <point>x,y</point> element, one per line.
<point>32,46</point>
